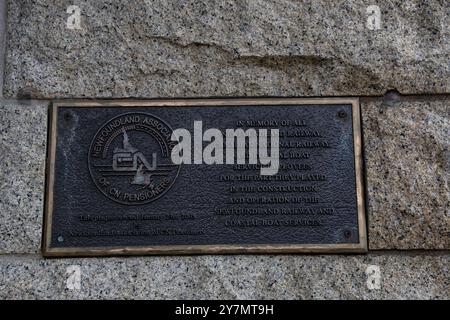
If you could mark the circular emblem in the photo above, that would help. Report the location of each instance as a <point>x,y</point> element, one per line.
<point>130,159</point>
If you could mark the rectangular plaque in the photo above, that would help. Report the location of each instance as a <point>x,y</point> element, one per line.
<point>114,188</point>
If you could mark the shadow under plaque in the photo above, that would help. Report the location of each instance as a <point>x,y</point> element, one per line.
<point>112,187</point>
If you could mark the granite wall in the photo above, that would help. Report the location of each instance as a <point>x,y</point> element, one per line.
<point>400,69</point>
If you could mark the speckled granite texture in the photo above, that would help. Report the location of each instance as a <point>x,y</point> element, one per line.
<point>203,48</point>
<point>197,48</point>
<point>407,153</point>
<point>227,277</point>
<point>23,137</point>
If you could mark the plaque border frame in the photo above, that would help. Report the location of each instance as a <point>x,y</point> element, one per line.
<point>360,247</point>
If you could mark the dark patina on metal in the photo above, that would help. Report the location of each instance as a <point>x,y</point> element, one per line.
<point>112,187</point>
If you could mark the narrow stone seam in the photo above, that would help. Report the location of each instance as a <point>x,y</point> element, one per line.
<point>371,253</point>
<point>402,97</point>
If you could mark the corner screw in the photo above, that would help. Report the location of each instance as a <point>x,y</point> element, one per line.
<point>347,234</point>
<point>342,114</point>
<point>67,116</point>
<point>60,239</point>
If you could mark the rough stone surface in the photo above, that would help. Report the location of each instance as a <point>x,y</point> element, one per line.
<point>226,277</point>
<point>201,48</point>
<point>22,167</point>
<point>226,48</point>
<point>407,151</point>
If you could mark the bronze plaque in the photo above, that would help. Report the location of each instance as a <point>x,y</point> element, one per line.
<point>168,177</point>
